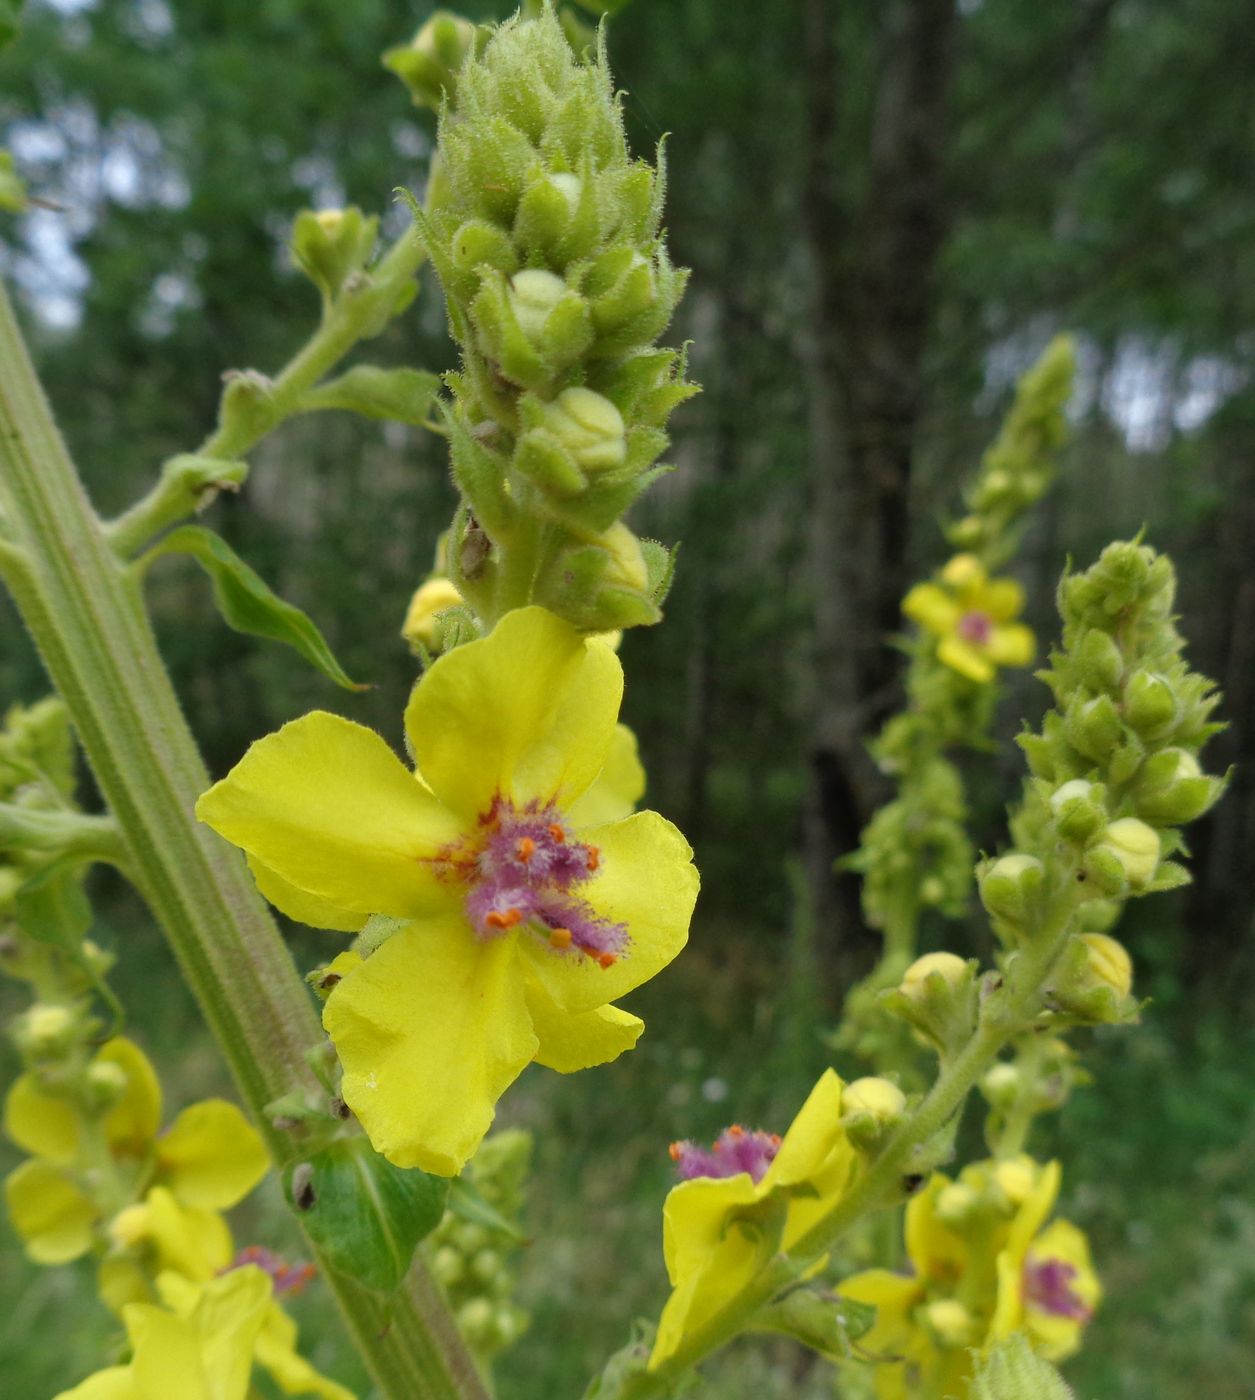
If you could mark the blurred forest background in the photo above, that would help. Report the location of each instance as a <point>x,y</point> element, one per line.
<point>888,209</point>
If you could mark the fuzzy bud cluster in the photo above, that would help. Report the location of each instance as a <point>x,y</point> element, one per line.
<point>471,1251</point>
<point>546,236</point>
<point>1018,468</point>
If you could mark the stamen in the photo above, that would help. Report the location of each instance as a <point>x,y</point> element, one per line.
<point>605,960</point>
<point>560,938</point>
<point>525,848</point>
<point>557,833</point>
<point>593,857</point>
<point>674,1151</point>
<point>495,919</point>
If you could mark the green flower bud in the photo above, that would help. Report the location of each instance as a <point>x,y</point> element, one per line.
<point>950,1322</point>
<point>1150,706</point>
<point>477,1322</point>
<point>1174,790</point>
<point>333,244</point>
<point>1014,1179</point>
<point>1001,1085</point>
<point>1134,846</point>
<point>1093,727</point>
<point>951,968</point>
<point>1100,663</point>
<point>486,1265</point>
<point>590,427</point>
<point>448,1266</point>
<point>430,63</point>
<point>1080,812</point>
<point>878,1098</point>
<point>956,1204</point>
<point>1008,888</point>
<point>45,1031</point>
<point>1109,963</point>
<point>106,1082</point>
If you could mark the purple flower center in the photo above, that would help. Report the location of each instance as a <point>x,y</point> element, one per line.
<point>976,627</point>
<point>287,1278</point>
<point>734,1151</point>
<point>523,868</point>
<point>1048,1286</point>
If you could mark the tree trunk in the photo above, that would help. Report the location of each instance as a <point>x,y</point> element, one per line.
<point>874,300</point>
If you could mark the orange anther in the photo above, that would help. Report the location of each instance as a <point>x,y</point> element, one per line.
<point>507,920</point>
<point>775,1139</point>
<point>674,1151</point>
<point>736,1130</point>
<point>594,858</point>
<point>557,833</point>
<point>560,938</point>
<point>525,848</point>
<point>606,959</point>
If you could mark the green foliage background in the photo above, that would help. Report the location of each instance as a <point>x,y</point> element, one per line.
<point>1094,178</point>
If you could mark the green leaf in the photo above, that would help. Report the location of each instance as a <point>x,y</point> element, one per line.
<point>402,395</point>
<point>247,603</point>
<point>10,21</point>
<point>1013,1372</point>
<point>466,1203</point>
<point>366,1215</point>
<point>13,198</point>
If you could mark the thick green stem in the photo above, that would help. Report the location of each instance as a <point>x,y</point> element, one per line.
<point>87,620</point>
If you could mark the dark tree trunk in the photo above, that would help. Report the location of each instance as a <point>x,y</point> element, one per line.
<point>874,299</point>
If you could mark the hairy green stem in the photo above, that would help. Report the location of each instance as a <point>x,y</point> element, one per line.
<point>89,625</point>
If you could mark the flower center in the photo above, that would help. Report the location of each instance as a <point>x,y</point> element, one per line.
<point>287,1278</point>
<point>734,1151</point>
<point>1048,1286</point>
<point>523,868</point>
<point>977,627</point>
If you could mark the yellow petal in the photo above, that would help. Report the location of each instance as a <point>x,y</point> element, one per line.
<point>1002,599</point>
<point>121,1280</point>
<point>276,1352</point>
<point>527,712</point>
<point>965,658</point>
<point>328,806</point>
<point>52,1216</point>
<point>134,1120</point>
<point>709,1257</point>
<point>431,1029</point>
<point>39,1123</point>
<point>811,1136</point>
<point>619,786</point>
<point>1054,1337</point>
<point>571,1041</point>
<point>646,880</point>
<point>965,574</point>
<point>894,1297</point>
<point>116,1383</point>
<point>190,1241</point>
<point>297,904</point>
<point>211,1156</point>
<point>937,1252</point>
<point>933,608</point>
<point>1012,644</point>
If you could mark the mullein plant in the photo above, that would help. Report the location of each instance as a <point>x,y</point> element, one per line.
<point>495,891</point>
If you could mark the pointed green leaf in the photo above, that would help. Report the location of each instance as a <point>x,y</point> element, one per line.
<point>247,603</point>
<point>402,395</point>
<point>822,1321</point>
<point>466,1202</point>
<point>365,1214</point>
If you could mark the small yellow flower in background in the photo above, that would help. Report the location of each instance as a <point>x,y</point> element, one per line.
<point>209,1158</point>
<point>202,1344</point>
<point>711,1242</point>
<point>982,1268</point>
<point>422,618</point>
<point>531,901</point>
<point>974,617</point>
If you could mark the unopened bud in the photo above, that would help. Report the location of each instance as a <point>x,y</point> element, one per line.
<point>950,1322</point>
<point>1109,963</point>
<point>590,427</point>
<point>1173,789</point>
<point>1135,846</point>
<point>1093,727</point>
<point>1080,812</point>
<point>1001,1085</point>
<point>1009,886</point>
<point>948,966</point>
<point>106,1083</point>
<point>876,1097</point>
<point>1015,1179</point>
<point>448,1266</point>
<point>45,1030</point>
<point>130,1227</point>
<point>955,1203</point>
<point>332,244</point>
<point>475,1321</point>
<point>1150,707</point>
<point>627,568</point>
<point>430,63</point>
<point>421,619</point>
<point>1101,663</point>
<point>533,295</point>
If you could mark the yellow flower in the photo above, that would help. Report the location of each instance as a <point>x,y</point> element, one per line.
<point>713,1236</point>
<point>202,1344</point>
<point>209,1157</point>
<point>973,615</point>
<point>528,908</point>
<point>1046,1281</point>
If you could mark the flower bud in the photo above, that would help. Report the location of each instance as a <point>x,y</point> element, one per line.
<point>589,427</point>
<point>430,63</point>
<point>476,1320</point>
<point>1150,707</point>
<point>1009,887</point>
<point>948,966</point>
<point>1015,1179</point>
<point>421,626</point>
<point>875,1097</point>
<point>332,244</point>
<point>1001,1085</point>
<point>533,295</point>
<point>131,1226</point>
<point>1100,661</point>
<point>45,1031</point>
<point>1109,963</point>
<point>486,1265</point>
<point>955,1204</point>
<point>1093,727</point>
<point>106,1083</point>
<point>627,567</point>
<point>1174,790</point>
<point>448,1266</point>
<point>949,1321</point>
<point>1080,812</point>
<point>1133,846</point>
